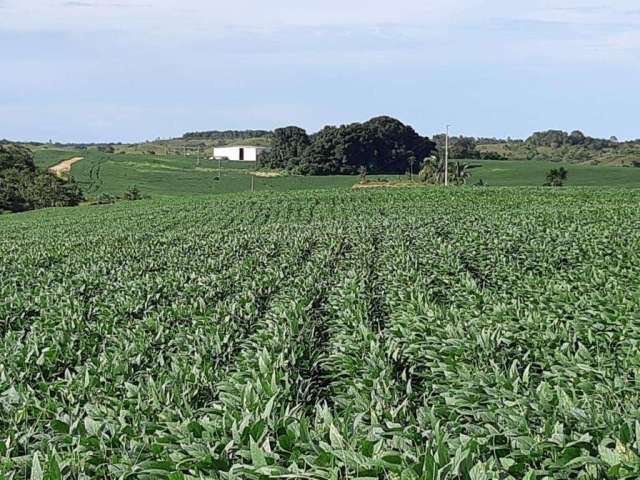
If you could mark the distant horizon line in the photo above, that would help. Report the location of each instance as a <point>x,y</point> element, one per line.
<point>167,139</point>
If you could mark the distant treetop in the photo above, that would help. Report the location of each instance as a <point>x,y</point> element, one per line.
<point>559,138</point>
<point>228,134</point>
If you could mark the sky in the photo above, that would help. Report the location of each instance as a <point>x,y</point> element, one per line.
<point>119,70</point>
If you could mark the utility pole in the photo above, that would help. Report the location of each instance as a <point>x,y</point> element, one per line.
<point>446,157</point>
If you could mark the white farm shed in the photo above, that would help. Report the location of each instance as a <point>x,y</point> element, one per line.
<point>240,152</point>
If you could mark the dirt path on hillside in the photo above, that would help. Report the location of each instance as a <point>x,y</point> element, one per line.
<point>266,174</point>
<point>64,166</point>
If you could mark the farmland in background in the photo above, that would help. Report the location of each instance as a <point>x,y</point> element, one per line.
<point>530,173</point>
<point>179,175</point>
<point>178,145</point>
<point>408,334</point>
<point>45,158</point>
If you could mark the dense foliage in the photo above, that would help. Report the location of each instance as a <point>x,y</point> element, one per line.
<point>288,148</point>
<point>23,187</point>
<point>227,134</point>
<point>380,145</point>
<point>16,157</point>
<point>550,145</point>
<point>106,148</point>
<point>420,334</point>
<point>557,145</point>
<point>465,148</point>
<point>557,177</point>
<point>558,138</point>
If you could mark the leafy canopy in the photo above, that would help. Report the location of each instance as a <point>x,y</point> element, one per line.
<point>23,188</point>
<point>380,145</point>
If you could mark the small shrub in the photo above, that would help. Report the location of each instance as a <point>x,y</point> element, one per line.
<point>363,174</point>
<point>106,149</point>
<point>104,199</point>
<point>556,177</point>
<point>133,194</point>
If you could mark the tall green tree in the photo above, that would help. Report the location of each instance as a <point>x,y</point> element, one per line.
<point>460,148</point>
<point>17,157</point>
<point>288,146</point>
<point>380,145</point>
<point>23,187</point>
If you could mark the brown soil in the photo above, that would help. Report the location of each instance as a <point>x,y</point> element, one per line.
<point>266,174</point>
<point>64,166</point>
<point>389,185</point>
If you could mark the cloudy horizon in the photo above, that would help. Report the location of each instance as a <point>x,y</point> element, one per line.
<point>116,70</point>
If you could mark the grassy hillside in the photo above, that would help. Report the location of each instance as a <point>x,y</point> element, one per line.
<point>190,146</point>
<point>177,175</point>
<point>45,158</point>
<point>623,154</point>
<point>475,333</point>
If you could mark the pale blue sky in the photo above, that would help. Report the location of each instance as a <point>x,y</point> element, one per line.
<point>118,70</point>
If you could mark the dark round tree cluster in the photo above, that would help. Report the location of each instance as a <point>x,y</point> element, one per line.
<point>380,145</point>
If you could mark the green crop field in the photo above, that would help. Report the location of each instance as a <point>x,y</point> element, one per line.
<point>45,158</point>
<point>158,175</point>
<point>175,175</point>
<point>533,173</point>
<point>472,333</point>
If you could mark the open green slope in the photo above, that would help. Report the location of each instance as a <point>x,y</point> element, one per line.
<point>390,334</point>
<point>176,175</point>
<point>45,158</point>
<point>533,173</point>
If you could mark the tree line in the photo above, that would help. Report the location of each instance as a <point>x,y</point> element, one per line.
<point>385,145</point>
<point>24,187</point>
<point>550,145</point>
<point>467,148</point>
<point>227,134</point>
<point>380,145</point>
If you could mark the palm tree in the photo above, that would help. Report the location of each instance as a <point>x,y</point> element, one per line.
<point>430,171</point>
<point>460,173</point>
<point>433,172</point>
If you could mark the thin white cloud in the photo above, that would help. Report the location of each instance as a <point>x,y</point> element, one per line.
<point>580,12</point>
<point>629,40</point>
<point>316,57</point>
<point>186,20</point>
<point>182,16</point>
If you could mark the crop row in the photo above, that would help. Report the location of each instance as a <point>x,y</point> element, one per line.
<point>474,334</point>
